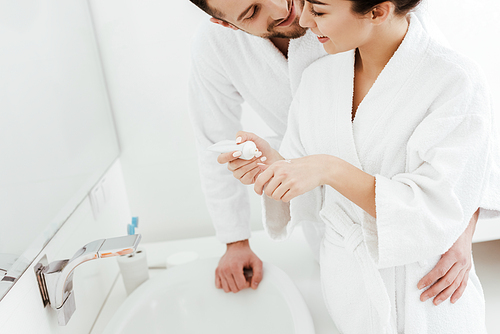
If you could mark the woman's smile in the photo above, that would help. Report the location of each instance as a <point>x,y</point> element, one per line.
<point>323,39</point>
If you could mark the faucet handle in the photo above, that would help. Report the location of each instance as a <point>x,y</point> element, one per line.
<point>104,248</point>
<point>101,248</point>
<point>119,246</point>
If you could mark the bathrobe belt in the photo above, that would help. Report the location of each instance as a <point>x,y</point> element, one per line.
<point>342,232</point>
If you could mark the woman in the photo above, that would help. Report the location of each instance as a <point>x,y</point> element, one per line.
<point>388,144</point>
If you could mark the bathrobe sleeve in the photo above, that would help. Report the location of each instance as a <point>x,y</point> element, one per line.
<point>215,111</point>
<point>280,219</point>
<point>276,214</point>
<point>490,203</point>
<point>422,212</point>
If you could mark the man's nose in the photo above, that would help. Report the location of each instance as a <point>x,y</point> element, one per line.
<point>279,9</point>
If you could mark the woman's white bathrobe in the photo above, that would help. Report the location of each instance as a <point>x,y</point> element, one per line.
<point>230,67</point>
<point>424,132</point>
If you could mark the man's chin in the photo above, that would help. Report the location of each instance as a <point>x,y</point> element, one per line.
<point>294,31</point>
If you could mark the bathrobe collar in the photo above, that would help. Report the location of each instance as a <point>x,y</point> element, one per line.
<point>388,85</point>
<point>339,212</point>
<point>302,52</point>
<point>382,94</point>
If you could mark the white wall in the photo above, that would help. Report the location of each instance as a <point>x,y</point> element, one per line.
<point>22,311</point>
<point>472,27</point>
<point>145,46</point>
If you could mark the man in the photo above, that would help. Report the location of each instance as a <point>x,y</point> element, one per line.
<point>255,52</point>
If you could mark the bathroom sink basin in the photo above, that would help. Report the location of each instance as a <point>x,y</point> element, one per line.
<point>183,299</point>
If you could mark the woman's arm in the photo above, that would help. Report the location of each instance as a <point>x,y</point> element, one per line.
<point>291,178</point>
<point>450,275</point>
<point>356,185</point>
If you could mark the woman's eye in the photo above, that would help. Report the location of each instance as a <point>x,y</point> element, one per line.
<point>313,12</point>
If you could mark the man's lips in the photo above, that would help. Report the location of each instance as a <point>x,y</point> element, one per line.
<point>290,18</point>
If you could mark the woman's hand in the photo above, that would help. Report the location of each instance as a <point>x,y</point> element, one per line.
<point>287,179</point>
<point>247,170</point>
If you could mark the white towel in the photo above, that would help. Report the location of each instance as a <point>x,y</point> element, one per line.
<point>424,131</point>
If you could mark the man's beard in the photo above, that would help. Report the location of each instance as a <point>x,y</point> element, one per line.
<point>296,32</point>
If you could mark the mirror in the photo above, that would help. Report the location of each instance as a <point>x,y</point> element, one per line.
<point>57,131</point>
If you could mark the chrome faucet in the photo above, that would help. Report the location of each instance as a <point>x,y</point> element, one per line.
<point>3,272</point>
<point>55,280</point>
<point>7,261</point>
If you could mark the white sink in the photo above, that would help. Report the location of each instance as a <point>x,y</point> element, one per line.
<point>184,299</point>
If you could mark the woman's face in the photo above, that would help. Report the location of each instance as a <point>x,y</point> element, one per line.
<point>337,26</point>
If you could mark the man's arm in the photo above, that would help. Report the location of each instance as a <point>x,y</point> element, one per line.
<point>215,111</point>
<point>450,275</point>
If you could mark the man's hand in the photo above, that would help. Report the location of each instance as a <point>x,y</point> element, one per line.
<point>450,275</point>
<point>230,276</point>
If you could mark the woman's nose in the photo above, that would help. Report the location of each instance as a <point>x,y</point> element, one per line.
<point>306,20</point>
<point>279,9</point>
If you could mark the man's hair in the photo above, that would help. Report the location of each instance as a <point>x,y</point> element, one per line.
<point>203,5</point>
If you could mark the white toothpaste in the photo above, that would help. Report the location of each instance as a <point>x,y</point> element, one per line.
<point>248,149</point>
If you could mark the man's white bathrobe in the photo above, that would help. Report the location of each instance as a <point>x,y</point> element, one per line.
<point>231,67</point>
<point>424,132</point>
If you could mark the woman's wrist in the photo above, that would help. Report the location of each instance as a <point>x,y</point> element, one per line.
<point>353,183</point>
<point>328,167</point>
<point>275,156</point>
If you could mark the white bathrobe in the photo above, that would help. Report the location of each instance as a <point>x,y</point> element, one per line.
<point>424,132</point>
<point>230,67</point>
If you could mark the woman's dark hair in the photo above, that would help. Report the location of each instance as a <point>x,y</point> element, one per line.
<point>365,6</point>
<point>203,5</point>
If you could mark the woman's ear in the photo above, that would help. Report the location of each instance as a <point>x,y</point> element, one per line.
<point>223,23</point>
<point>381,12</point>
